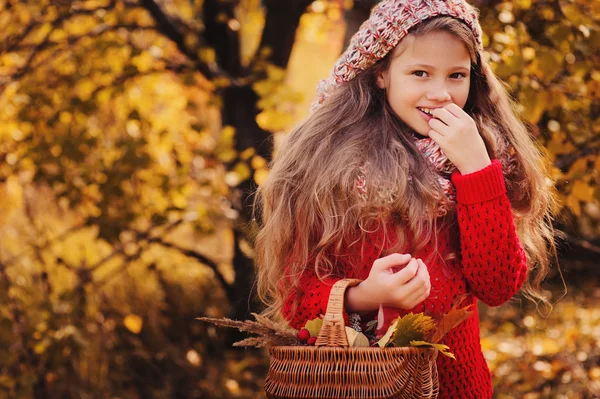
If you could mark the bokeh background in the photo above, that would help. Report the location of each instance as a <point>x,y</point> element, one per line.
<point>132,135</point>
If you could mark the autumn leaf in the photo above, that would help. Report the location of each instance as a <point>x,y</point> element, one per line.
<point>133,323</point>
<point>314,326</point>
<point>441,347</point>
<point>451,319</point>
<point>388,335</point>
<point>356,338</point>
<point>361,341</point>
<point>411,327</point>
<point>351,335</point>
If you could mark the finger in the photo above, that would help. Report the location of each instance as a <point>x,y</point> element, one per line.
<point>421,263</point>
<point>406,274</point>
<point>420,281</point>
<point>416,298</point>
<point>392,260</point>
<point>427,277</point>
<point>444,115</point>
<point>455,110</point>
<point>436,136</point>
<point>440,126</point>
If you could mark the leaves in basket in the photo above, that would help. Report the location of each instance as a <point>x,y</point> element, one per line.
<point>361,341</point>
<point>411,327</point>
<point>351,335</point>
<point>356,338</point>
<point>371,326</point>
<point>441,347</point>
<point>451,319</point>
<point>314,326</point>
<point>388,335</point>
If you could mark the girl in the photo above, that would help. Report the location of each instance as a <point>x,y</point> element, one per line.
<point>414,175</point>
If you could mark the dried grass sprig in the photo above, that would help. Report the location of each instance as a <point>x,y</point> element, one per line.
<point>269,332</point>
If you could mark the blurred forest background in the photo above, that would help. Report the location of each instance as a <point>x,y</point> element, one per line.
<point>132,134</point>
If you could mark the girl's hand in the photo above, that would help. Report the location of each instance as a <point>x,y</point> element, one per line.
<point>403,289</point>
<point>456,133</point>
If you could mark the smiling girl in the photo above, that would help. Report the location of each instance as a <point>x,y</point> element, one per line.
<point>414,175</point>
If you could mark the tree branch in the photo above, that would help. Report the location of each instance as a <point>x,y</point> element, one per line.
<point>564,161</point>
<point>580,243</point>
<point>97,31</point>
<point>199,257</point>
<point>166,26</point>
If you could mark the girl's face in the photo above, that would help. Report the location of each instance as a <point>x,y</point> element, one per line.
<point>426,72</point>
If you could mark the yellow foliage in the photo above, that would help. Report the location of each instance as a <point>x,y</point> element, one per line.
<point>144,61</point>
<point>582,191</point>
<point>133,323</point>
<point>260,175</point>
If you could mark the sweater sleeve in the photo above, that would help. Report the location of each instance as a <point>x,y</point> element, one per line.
<point>309,300</point>
<point>493,260</point>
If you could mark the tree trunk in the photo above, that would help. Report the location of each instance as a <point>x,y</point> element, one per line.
<point>239,111</point>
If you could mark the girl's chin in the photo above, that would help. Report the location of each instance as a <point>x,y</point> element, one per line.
<point>421,132</point>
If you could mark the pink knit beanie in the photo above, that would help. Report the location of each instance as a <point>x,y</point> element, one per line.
<point>389,22</point>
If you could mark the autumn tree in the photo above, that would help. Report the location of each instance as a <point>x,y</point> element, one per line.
<point>133,135</point>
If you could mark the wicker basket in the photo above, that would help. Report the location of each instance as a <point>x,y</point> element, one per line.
<point>332,369</point>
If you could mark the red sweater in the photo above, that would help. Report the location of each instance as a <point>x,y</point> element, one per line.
<point>491,266</point>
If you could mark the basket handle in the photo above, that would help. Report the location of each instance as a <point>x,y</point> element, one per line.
<point>333,331</point>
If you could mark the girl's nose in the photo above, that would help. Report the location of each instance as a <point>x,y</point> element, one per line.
<point>439,93</point>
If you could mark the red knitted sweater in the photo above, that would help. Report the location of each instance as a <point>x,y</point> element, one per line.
<point>491,266</point>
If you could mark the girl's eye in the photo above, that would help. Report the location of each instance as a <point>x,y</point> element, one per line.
<point>418,72</point>
<point>461,75</point>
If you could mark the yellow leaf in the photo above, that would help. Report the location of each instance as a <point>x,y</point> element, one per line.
<point>65,117</point>
<point>133,323</point>
<point>178,199</point>
<point>523,4</point>
<point>388,335</point>
<point>361,341</point>
<point>412,327</point>
<point>441,347</point>
<point>227,155</point>
<point>207,55</point>
<point>574,205</point>
<point>582,191</point>
<point>258,162</point>
<point>351,335</point>
<point>247,153</point>
<point>314,326</point>
<point>260,175</point>
<point>84,89</point>
<point>58,35</point>
<point>243,170</point>
<point>535,103</point>
<point>143,61</point>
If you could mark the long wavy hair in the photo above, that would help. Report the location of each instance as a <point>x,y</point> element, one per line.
<point>309,211</point>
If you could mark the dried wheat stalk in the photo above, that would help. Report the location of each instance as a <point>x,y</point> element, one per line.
<point>269,333</point>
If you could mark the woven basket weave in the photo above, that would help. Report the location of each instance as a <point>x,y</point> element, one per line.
<point>332,369</point>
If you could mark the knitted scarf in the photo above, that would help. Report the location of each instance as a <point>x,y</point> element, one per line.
<point>445,168</point>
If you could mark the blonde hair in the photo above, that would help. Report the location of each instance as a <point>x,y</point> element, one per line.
<point>309,210</point>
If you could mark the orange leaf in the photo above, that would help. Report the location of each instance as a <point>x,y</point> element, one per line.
<point>451,319</point>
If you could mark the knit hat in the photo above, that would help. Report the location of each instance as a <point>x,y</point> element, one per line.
<point>389,22</point>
